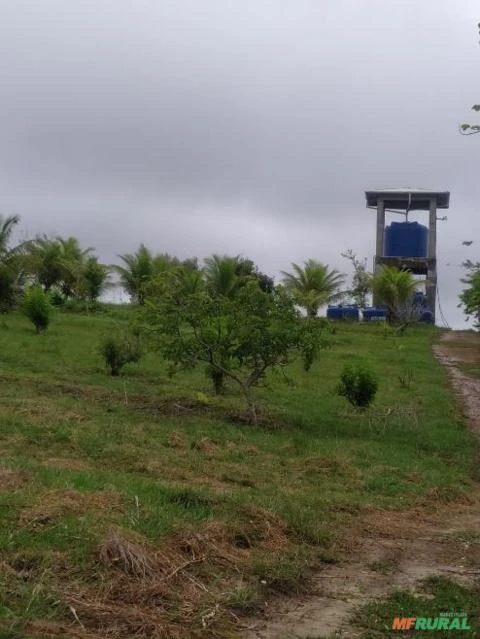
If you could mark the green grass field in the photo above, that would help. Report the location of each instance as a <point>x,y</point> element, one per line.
<point>133,503</point>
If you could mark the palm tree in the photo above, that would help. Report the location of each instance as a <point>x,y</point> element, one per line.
<point>57,262</point>
<point>72,261</point>
<point>7,224</point>
<point>12,267</point>
<point>188,280</point>
<point>43,261</point>
<point>221,274</point>
<point>164,262</point>
<point>313,286</point>
<point>138,270</point>
<point>394,288</point>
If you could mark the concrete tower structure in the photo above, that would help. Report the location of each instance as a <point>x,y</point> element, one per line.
<point>403,200</point>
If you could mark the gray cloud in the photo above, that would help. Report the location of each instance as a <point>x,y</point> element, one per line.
<point>237,126</point>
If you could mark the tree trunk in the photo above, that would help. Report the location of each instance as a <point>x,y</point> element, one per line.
<point>252,411</point>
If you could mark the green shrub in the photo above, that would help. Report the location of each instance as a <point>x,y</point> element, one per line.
<point>7,288</point>
<point>56,298</point>
<point>120,348</point>
<point>37,307</point>
<point>358,385</point>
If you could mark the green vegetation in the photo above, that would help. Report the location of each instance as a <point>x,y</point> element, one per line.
<point>141,268</point>
<point>10,269</point>
<point>37,307</point>
<point>62,266</point>
<point>139,502</point>
<point>395,288</point>
<point>313,286</point>
<point>439,595</point>
<point>142,503</point>
<point>240,335</point>
<point>226,275</point>
<point>470,296</point>
<point>120,347</point>
<point>358,385</point>
<point>361,286</point>
<point>7,288</point>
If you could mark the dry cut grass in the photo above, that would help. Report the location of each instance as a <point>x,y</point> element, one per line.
<point>181,589</point>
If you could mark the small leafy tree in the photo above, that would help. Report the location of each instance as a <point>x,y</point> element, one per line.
<point>361,280</point>
<point>119,348</point>
<point>358,385</point>
<point>470,296</point>
<point>240,337</point>
<point>312,330</point>
<point>95,277</point>
<point>37,307</point>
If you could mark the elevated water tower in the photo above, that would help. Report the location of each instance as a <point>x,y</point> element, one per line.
<point>409,245</point>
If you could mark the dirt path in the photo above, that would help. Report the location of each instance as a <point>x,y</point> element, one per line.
<point>390,551</point>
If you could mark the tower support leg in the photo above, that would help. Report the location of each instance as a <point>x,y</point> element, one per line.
<point>431,283</point>
<point>380,247</point>
<point>431,291</point>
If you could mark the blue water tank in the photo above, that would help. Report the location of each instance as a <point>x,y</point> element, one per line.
<point>406,239</point>
<point>374,313</point>
<point>427,317</point>
<point>420,299</point>
<point>341,312</point>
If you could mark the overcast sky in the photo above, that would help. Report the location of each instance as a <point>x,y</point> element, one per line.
<point>238,126</point>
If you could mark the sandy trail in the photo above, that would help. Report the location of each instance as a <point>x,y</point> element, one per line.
<point>392,551</point>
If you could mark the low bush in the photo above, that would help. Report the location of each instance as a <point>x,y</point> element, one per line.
<point>37,307</point>
<point>358,385</point>
<point>120,348</point>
